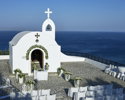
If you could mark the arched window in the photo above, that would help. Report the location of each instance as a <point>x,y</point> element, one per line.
<point>48,27</point>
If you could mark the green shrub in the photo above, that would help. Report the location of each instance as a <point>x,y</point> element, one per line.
<point>4,52</point>
<point>1,52</point>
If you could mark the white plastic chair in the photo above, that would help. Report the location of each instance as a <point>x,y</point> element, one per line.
<point>116,67</point>
<point>90,94</point>
<point>45,92</point>
<point>39,92</point>
<point>114,91</point>
<point>107,70</point>
<point>90,98</point>
<point>28,95</point>
<point>24,87</point>
<point>112,67</point>
<point>51,97</point>
<point>118,97</point>
<point>79,96</point>
<point>108,92</point>
<point>110,72</point>
<point>12,95</point>
<point>114,73</point>
<point>107,97</point>
<point>123,78</point>
<point>92,88</point>
<point>24,93</point>
<point>123,96</point>
<point>20,95</point>
<point>34,98</point>
<point>100,98</point>
<point>119,75</point>
<point>23,99</point>
<point>72,91</point>
<point>83,89</point>
<point>34,93</point>
<point>30,98</point>
<point>110,86</point>
<point>100,87</point>
<point>99,93</point>
<point>119,91</point>
<point>42,97</point>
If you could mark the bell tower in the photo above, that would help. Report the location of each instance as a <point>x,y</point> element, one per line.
<point>48,25</point>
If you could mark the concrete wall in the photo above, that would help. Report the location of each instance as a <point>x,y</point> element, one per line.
<point>4,57</point>
<point>95,63</point>
<point>65,58</point>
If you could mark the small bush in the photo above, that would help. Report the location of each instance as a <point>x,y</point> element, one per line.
<point>4,52</point>
<point>1,52</point>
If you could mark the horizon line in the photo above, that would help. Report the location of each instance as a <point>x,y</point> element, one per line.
<point>63,31</point>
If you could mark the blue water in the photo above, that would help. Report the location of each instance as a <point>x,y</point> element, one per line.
<point>109,45</point>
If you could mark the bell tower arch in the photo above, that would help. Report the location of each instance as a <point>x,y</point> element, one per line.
<point>48,25</point>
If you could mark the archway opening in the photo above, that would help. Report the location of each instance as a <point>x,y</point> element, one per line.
<point>37,59</point>
<point>48,27</point>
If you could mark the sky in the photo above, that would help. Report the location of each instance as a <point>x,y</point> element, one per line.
<point>68,15</point>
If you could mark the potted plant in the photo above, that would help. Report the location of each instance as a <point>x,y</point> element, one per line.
<point>17,71</point>
<point>60,71</point>
<point>77,81</point>
<point>30,85</point>
<point>34,69</point>
<point>67,75</point>
<point>21,78</point>
<point>47,66</point>
<point>7,82</point>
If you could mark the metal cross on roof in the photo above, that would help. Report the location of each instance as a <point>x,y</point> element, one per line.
<point>37,35</point>
<point>48,12</point>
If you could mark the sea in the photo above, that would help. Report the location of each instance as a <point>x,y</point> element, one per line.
<point>108,45</point>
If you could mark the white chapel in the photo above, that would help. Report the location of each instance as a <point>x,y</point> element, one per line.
<point>28,47</point>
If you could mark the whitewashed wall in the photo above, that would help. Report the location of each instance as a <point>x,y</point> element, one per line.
<point>65,58</point>
<point>28,40</point>
<point>51,23</point>
<point>4,57</point>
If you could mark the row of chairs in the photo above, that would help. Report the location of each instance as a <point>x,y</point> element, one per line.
<point>7,85</point>
<point>79,96</point>
<point>33,95</point>
<point>113,71</point>
<point>99,92</point>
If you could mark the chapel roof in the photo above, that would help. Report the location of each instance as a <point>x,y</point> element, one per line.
<point>18,37</point>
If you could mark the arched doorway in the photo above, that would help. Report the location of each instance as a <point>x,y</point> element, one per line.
<point>37,58</point>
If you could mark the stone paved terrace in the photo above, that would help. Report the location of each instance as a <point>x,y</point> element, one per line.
<point>90,74</point>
